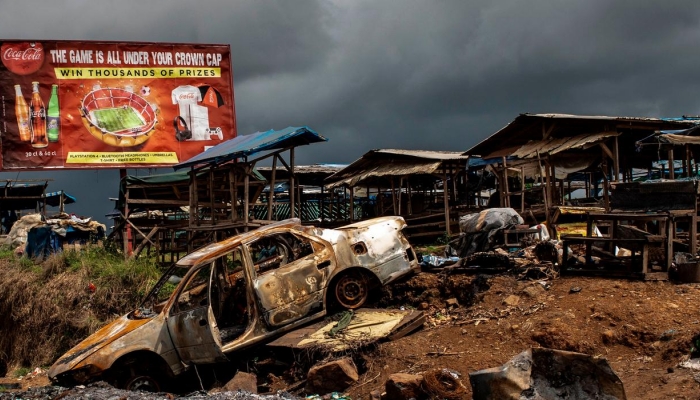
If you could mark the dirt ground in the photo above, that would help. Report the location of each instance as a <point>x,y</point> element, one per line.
<point>644,329</point>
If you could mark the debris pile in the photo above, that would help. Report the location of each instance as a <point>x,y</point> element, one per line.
<point>33,234</point>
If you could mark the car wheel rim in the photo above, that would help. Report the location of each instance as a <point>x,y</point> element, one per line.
<point>143,383</point>
<point>351,291</point>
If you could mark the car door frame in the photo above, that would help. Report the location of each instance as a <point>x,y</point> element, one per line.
<point>324,264</point>
<point>194,333</point>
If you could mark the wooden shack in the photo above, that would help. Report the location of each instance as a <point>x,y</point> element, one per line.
<point>422,186</point>
<point>209,199</point>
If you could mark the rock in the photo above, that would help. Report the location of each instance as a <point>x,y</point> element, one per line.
<point>423,306</point>
<point>404,387</point>
<point>541,373</point>
<point>452,302</point>
<point>511,300</point>
<point>242,381</point>
<point>609,336</point>
<point>375,395</point>
<point>533,290</point>
<point>334,376</point>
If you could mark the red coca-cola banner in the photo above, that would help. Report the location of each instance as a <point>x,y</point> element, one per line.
<point>79,105</point>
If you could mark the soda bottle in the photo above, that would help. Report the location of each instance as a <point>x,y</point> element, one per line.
<point>37,114</point>
<point>22,113</point>
<point>53,116</point>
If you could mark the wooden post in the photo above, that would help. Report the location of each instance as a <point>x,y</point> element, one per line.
<point>60,199</point>
<point>400,192</point>
<point>330,206</point>
<point>671,165</point>
<point>522,190</point>
<point>235,194</point>
<point>393,195</point>
<point>128,249</point>
<point>616,162</point>
<point>271,194</point>
<point>291,183</point>
<point>409,206</point>
<point>246,197</point>
<point>446,202</point>
<point>211,196</point>
<point>232,192</point>
<point>548,199</point>
<point>506,189</point>
<point>606,186</point>
<point>686,166</point>
<point>194,201</point>
<point>320,204</point>
<point>351,217</point>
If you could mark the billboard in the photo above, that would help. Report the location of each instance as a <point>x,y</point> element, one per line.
<point>73,105</point>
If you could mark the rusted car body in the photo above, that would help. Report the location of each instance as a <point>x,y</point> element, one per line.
<point>240,292</point>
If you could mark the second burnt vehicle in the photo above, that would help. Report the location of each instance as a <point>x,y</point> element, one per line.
<point>244,291</point>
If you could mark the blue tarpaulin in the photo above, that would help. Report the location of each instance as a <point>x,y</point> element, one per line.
<point>244,146</point>
<point>54,198</point>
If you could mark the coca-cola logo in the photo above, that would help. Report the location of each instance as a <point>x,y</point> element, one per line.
<point>22,58</point>
<point>186,96</point>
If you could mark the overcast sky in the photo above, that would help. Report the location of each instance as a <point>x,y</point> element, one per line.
<point>435,75</point>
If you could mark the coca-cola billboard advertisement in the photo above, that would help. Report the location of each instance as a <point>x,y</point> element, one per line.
<point>79,105</point>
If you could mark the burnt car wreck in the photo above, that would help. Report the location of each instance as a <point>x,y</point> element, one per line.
<point>244,291</point>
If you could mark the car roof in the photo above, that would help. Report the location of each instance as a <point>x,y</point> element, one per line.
<point>215,249</point>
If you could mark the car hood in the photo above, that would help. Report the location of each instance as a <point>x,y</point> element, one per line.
<point>109,333</point>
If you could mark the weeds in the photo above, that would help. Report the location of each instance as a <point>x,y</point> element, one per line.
<point>64,298</point>
<point>20,372</point>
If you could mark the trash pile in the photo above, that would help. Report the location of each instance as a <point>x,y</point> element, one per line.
<point>36,236</point>
<point>481,247</point>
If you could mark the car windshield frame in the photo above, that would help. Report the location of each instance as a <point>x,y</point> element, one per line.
<point>146,308</point>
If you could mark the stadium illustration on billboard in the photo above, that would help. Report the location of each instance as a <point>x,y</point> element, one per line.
<point>118,117</point>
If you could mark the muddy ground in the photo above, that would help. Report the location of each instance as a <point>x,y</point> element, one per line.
<point>644,329</point>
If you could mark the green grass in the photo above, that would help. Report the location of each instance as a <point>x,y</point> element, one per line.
<point>118,119</point>
<point>22,371</point>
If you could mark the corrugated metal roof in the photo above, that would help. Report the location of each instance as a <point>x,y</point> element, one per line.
<point>394,162</point>
<point>244,146</point>
<point>557,145</point>
<point>308,169</point>
<point>428,154</point>
<point>529,127</point>
<point>391,169</point>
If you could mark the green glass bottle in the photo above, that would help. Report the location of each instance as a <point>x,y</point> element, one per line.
<point>53,115</point>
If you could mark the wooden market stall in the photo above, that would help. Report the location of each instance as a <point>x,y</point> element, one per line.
<point>425,187</point>
<point>209,199</point>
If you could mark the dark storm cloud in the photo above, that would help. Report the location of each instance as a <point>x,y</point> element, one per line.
<point>406,74</point>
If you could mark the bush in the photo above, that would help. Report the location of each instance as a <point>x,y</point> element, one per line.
<point>63,299</point>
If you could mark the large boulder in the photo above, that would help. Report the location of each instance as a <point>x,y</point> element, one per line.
<point>334,376</point>
<point>545,374</point>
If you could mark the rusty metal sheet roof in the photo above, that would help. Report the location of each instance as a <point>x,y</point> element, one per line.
<point>425,154</point>
<point>244,146</point>
<point>530,127</point>
<point>556,145</point>
<point>395,162</point>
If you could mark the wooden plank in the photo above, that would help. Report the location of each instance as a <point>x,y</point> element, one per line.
<point>145,240</point>
<point>408,324</point>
